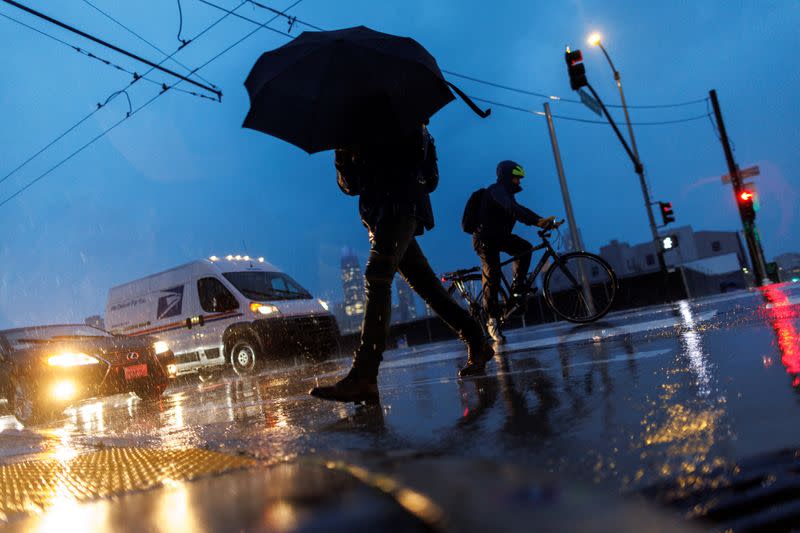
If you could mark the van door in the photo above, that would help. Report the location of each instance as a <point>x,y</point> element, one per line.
<point>173,308</point>
<point>219,308</point>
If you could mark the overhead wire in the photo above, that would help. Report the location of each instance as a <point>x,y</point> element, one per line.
<point>136,110</point>
<point>108,63</point>
<point>144,40</point>
<point>490,83</point>
<point>585,120</point>
<point>237,15</point>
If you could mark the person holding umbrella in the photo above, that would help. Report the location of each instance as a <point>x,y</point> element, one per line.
<point>393,180</point>
<point>367,95</point>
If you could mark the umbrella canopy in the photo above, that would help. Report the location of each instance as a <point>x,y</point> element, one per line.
<point>332,89</point>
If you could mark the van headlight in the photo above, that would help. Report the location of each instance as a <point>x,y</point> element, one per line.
<point>160,347</point>
<point>264,309</point>
<point>71,359</point>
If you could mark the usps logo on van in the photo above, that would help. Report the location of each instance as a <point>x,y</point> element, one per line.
<point>170,303</point>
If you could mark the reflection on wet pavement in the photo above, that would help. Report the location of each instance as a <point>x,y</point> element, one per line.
<point>675,392</point>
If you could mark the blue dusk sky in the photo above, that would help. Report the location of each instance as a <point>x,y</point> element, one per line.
<point>182,180</point>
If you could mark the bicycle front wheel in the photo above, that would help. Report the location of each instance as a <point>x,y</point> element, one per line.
<point>580,287</point>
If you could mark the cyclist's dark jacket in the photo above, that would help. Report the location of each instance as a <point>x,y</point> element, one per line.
<point>500,210</point>
<point>391,178</point>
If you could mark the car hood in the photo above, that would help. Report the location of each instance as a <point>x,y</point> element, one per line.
<point>115,350</point>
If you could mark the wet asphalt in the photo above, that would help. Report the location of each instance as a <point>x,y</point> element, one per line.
<point>677,394</point>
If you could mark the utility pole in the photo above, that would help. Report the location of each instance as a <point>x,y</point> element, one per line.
<point>577,244</point>
<point>748,218</point>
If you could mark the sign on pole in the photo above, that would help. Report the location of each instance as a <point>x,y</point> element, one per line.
<point>589,101</point>
<point>749,172</point>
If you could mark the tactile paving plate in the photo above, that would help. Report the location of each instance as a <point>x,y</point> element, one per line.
<point>33,486</point>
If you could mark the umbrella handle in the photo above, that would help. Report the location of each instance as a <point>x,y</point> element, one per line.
<point>467,100</point>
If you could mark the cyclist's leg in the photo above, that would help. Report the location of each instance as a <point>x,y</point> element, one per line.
<point>490,275</point>
<point>518,247</point>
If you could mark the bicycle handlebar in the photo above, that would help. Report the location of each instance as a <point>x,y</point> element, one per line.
<point>545,232</point>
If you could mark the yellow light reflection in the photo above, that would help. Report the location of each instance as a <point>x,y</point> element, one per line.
<point>280,516</point>
<point>175,511</point>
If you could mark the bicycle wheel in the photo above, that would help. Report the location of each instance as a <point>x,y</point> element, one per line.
<point>472,299</point>
<point>580,287</point>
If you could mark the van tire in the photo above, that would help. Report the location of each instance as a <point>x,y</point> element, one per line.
<point>245,357</point>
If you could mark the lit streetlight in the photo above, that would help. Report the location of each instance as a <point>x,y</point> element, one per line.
<point>595,39</point>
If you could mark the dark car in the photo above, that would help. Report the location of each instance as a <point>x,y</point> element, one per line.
<point>43,369</point>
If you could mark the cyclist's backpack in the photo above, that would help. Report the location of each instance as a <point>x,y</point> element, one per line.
<point>471,218</point>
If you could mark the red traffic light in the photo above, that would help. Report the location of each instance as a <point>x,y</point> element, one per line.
<point>746,196</point>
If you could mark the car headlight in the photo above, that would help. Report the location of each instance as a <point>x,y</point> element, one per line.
<point>264,309</point>
<point>71,359</point>
<point>160,347</point>
<point>324,304</point>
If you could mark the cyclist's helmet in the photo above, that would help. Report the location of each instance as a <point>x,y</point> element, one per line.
<point>506,171</point>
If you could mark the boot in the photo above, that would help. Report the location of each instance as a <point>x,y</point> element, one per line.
<point>352,388</point>
<point>493,328</point>
<point>478,354</point>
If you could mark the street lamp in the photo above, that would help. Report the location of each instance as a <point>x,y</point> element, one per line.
<point>595,39</point>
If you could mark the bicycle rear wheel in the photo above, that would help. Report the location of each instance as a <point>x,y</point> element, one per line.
<point>580,287</point>
<point>472,299</point>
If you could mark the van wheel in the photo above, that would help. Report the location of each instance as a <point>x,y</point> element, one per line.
<point>245,357</point>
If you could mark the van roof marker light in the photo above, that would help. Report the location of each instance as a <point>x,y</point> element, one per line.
<point>229,257</point>
<point>238,257</point>
<point>213,258</point>
<point>246,258</point>
<point>260,259</point>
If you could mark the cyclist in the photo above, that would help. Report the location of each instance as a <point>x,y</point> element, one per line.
<point>498,213</point>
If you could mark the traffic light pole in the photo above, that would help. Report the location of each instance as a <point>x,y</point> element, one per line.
<point>750,231</point>
<point>639,169</point>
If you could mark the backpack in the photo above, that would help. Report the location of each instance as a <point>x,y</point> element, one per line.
<point>471,219</point>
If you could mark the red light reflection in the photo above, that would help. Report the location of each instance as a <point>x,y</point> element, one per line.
<point>781,314</point>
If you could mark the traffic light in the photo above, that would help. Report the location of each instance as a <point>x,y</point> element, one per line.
<point>669,242</point>
<point>576,69</point>
<point>746,200</point>
<point>666,212</point>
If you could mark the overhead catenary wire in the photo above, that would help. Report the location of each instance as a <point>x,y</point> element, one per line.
<point>144,40</point>
<point>585,120</point>
<point>248,19</point>
<point>486,82</point>
<point>111,46</point>
<point>130,114</point>
<point>99,106</point>
<point>108,63</point>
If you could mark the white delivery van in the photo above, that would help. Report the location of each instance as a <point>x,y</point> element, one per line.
<point>214,312</point>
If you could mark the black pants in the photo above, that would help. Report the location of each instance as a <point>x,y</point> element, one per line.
<point>488,250</point>
<point>394,247</point>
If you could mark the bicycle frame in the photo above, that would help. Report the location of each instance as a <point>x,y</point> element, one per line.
<point>550,253</point>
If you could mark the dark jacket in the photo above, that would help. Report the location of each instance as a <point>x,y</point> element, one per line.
<point>391,179</point>
<point>500,210</point>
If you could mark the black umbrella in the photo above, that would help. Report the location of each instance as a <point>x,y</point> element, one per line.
<point>332,89</point>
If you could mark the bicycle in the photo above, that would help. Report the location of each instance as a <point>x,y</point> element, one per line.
<point>578,286</point>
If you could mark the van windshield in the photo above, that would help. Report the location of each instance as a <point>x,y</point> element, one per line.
<point>266,286</point>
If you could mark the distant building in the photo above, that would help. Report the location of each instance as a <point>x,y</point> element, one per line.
<point>95,321</point>
<point>353,287</point>
<point>788,266</point>
<point>406,309</point>
<point>630,260</point>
